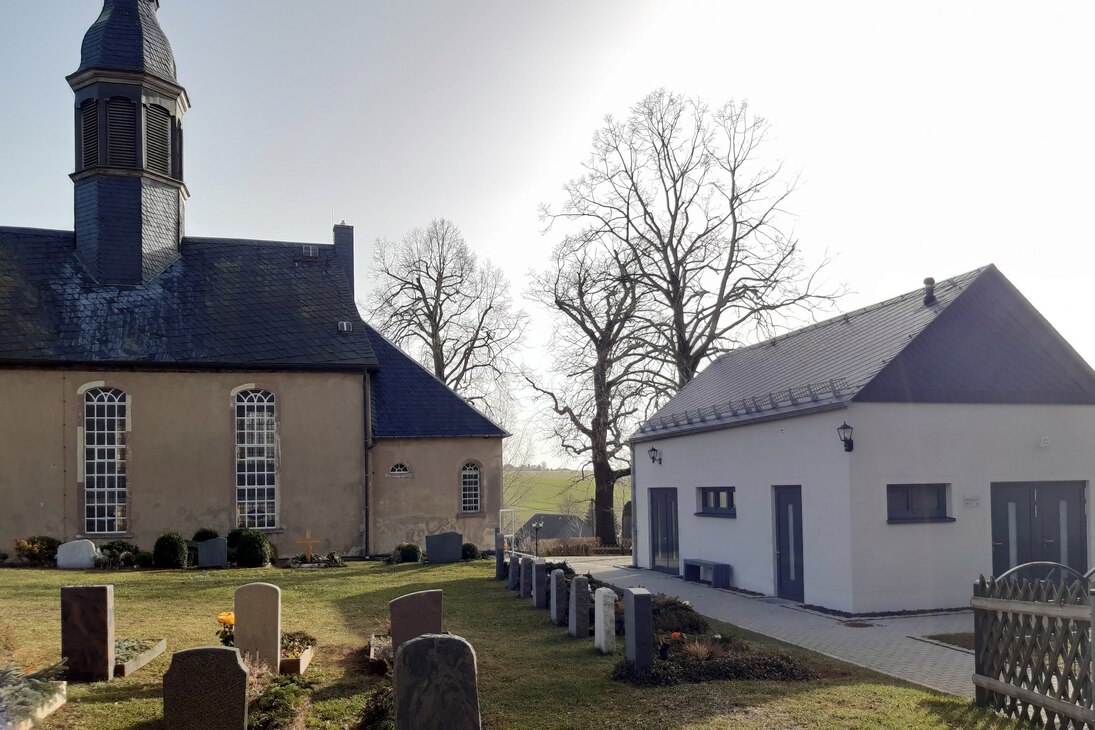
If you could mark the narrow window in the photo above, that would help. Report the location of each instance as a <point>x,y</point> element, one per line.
<point>105,490</point>
<point>469,488</point>
<point>399,470</point>
<point>717,501</point>
<point>89,133</point>
<point>121,130</point>
<point>158,138</point>
<point>256,459</point>
<point>917,503</point>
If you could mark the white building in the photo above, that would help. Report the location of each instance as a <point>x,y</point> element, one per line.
<point>972,450</point>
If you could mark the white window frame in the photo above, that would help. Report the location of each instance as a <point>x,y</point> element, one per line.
<point>105,461</point>
<point>399,469</point>
<point>256,458</point>
<point>471,482</point>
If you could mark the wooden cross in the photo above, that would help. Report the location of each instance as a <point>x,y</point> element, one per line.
<point>307,541</point>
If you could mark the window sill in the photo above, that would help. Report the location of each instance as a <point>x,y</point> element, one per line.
<point>470,514</point>
<point>918,520</point>
<point>106,536</point>
<point>731,515</point>
<point>267,530</point>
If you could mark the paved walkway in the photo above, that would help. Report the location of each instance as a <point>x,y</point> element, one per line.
<point>886,646</point>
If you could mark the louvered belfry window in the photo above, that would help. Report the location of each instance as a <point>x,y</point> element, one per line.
<point>121,129</point>
<point>158,147</point>
<point>89,133</point>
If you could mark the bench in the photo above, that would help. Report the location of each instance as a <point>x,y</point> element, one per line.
<point>722,575</point>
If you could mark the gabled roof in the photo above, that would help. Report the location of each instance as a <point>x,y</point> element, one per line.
<point>981,341</point>
<point>222,303</point>
<point>409,402</point>
<point>555,527</point>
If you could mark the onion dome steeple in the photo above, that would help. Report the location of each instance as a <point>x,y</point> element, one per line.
<point>129,171</point>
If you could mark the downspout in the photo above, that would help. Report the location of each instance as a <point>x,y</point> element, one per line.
<point>634,511</point>
<point>367,445</point>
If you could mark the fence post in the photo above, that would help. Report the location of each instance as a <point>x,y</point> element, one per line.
<point>980,694</point>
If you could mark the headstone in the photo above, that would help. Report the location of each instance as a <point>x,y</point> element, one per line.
<point>213,553</point>
<point>435,684</point>
<point>558,597</point>
<point>258,623</point>
<point>604,620</point>
<point>526,577</point>
<point>205,689</point>
<point>514,572</point>
<point>638,628</point>
<point>499,555</point>
<point>539,584</point>
<point>87,632</point>
<point>416,614</point>
<point>579,607</point>
<point>77,555</point>
<point>445,548</point>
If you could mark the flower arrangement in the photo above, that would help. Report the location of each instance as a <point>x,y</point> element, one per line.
<point>227,631</point>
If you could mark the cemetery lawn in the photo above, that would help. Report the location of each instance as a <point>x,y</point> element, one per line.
<point>531,675</point>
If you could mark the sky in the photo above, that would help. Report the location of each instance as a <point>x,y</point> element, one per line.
<point>930,138</point>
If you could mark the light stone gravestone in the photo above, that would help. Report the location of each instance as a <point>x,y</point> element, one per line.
<point>87,632</point>
<point>205,689</point>
<point>604,620</point>
<point>578,622</point>
<point>539,584</point>
<point>435,684</point>
<point>213,553</point>
<point>638,628</point>
<point>416,614</point>
<point>499,555</point>
<point>558,597</point>
<point>526,577</point>
<point>445,548</point>
<point>77,555</point>
<point>258,623</point>
<point>514,572</point>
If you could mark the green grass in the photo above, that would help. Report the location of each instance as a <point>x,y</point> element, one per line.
<point>550,491</point>
<point>531,676</point>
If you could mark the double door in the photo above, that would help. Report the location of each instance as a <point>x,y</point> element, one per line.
<point>664,535</point>
<point>1038,521</point>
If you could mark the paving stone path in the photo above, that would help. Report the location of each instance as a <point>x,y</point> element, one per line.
<point>886,646</point>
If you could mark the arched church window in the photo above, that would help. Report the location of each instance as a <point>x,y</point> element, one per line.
<point>256,459</point>
<point>469,487</point>
<point>106,492</point>
<point>121,131</point>
<point>158,139</point>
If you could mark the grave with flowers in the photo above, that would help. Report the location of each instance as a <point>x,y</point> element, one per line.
<point>296,649</point>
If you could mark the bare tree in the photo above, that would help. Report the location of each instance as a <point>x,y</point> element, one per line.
<point>601,384</point>
<point>683,188</point>
<point>452,312</point>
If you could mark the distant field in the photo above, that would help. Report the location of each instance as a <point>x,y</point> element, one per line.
<point>558,490</point>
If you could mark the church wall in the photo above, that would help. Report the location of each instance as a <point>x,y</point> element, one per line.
<point>406,508</point>
<point>181,462</point>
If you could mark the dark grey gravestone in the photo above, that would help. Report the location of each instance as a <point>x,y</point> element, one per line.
<point>445,548</point>
<point>514,572</point>
<point>435,684</point>
<point>526,577</point>
<point>205,689</point>
<point>579,607</point>
<point>539,584</point>
<point>416,614</point>
<point>638,628</point>
<point>499,555</point>
<point>87,632</point>
<point>558,597</point>
<point>213,553</point>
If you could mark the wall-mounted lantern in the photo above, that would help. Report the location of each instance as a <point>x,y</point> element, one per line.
<point>845,433</point>
<point>653,454</point>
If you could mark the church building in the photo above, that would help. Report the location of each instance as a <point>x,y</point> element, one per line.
<point>155,381</point>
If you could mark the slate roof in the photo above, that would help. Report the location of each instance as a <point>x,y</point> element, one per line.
<point>221,303</point>
<point>409,402</point>
<point>980,342</point>
<point>127,37</point>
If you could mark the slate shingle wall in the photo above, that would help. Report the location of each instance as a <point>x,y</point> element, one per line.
<point>160,207</point>
<point>127,36</point>
<point>108,228</point>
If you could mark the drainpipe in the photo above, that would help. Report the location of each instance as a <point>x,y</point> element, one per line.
<point>367,445</point>
<point>634,511</point>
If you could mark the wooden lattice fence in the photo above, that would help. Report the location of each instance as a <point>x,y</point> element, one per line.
<point>1032,641</point>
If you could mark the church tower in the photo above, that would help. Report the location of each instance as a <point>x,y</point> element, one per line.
<point>129,146</point>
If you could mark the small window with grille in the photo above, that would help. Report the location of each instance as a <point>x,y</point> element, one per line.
<point>469,487</point>
<point>106,492</point>
<point>256,459</point>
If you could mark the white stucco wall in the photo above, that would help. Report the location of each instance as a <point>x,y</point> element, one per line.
<point>804,451</point>
<point>910,566</point>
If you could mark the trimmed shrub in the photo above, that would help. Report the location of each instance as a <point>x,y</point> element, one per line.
<point>38,550</point>
<point>468,551</point>
<point>254,550</point>
<point>204,533</point>
<point>672,614</point>
<point>120,553</point>
<point>407,552</point>
<point>169,551</point>
<point>145,559</point>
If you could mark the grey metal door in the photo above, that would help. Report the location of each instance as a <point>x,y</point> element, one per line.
<point>789,581</point>
<point>1034,521</point>
<point>664,538</point>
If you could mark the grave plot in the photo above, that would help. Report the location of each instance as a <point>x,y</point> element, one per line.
<point>90,649</point>
<point>255,629</point>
